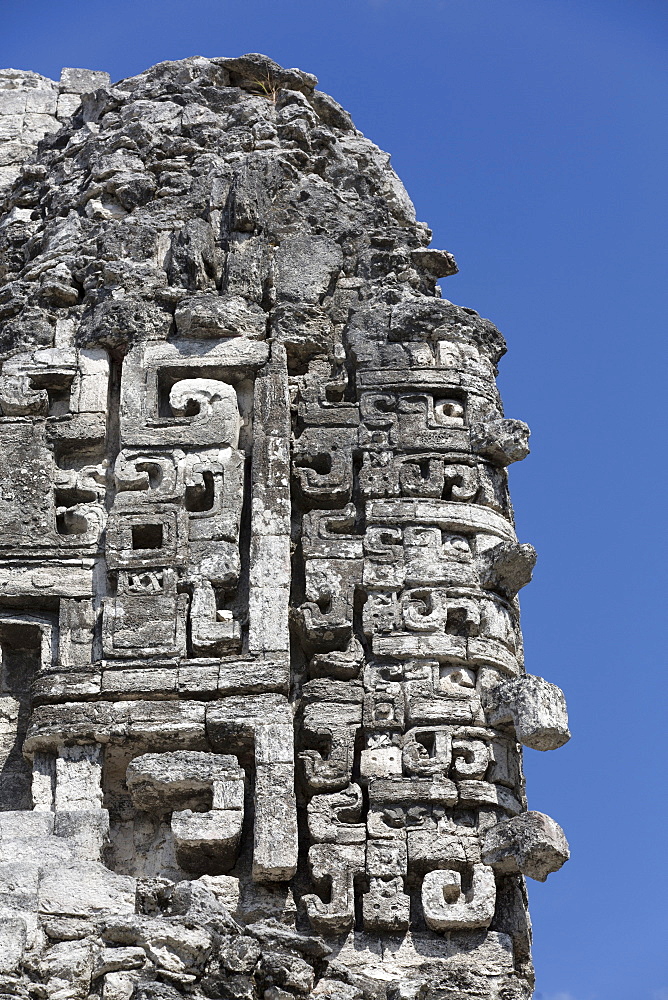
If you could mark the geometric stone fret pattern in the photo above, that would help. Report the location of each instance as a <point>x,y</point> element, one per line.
<point>263,690</point>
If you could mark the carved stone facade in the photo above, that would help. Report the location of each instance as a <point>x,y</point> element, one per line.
<point>263,692</point>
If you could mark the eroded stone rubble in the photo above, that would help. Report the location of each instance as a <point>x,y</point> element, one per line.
<point>263,685</point>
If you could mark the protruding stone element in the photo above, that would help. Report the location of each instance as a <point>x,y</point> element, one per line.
<point>386,907</point>
<point>332,818</point>
<point>508,567</point>
<point>206,840</point>
<point>449,906</point>
<point>209,315</point>
<point>82,81</point>
<point>502,441</point>
<point>531,844</point>
<point>439,263</point>
<point>536,709</point>
<point>337,866</point>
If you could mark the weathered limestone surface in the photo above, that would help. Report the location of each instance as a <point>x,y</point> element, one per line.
<point>32,106</point>
<point>263,690</point>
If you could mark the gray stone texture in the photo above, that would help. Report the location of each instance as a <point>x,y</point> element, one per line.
<point>263,689</point>
<point>32,106</point>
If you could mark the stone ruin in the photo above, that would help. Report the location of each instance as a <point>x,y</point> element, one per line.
<point>263,693</point>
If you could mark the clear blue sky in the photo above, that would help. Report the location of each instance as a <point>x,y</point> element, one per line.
<point>531,135</point>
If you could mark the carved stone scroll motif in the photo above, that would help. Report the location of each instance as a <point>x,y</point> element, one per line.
<point>263,687</point>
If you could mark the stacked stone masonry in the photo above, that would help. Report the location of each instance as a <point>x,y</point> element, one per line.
<point>263,692</point>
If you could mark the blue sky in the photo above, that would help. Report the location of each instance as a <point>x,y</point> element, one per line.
<point>531,135</point>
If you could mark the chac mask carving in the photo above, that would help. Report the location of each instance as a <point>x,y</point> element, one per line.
<point>263,685</point>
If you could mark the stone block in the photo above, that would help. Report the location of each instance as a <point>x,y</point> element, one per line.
<point>118,986</point>
<point>82,81</point>
<point>386,858</point>
<point>531,844</point>
<point>209,315</point>
<point>223,888</point>
<point>43,782</point>
<point>85,889</point>
<point>386,907</point>
<point>85,830</point>
<point>536,709</point>
<point>484,793</point>
<point>13,102</point>
<point>72,684</point>
<point>275,843</point>
<point>274,743</point>
<point>8,174</point>
<point>78,777</point>
<point>135,624</point>
<point>36,126</point>
<point>200,678</point>
<point>11,127</point>
<point>41,102</point>
<point>19,879</point>
<point>501,441</point>
<point>271,673</point>
<point>134,683</point>
<point>67,105</point>
<point>449,906</point>
<point>380,762</point>
<point>270,560</point>
<point>117,959</point>
<point>12,943</point>
<point>207,841</point>
<point>24,824</point>
<point>268,619</point>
